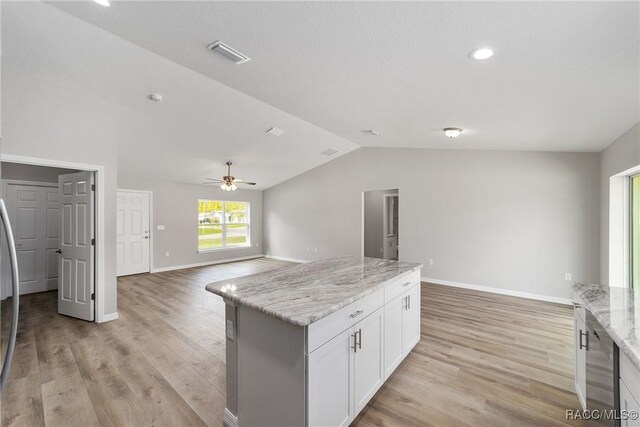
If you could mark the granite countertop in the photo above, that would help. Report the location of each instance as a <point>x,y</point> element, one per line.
<point>618,311</point>
<point>306,293</point>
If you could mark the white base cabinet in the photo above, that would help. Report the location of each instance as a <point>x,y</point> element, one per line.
<point>581,343</point>
<point>345,372</point>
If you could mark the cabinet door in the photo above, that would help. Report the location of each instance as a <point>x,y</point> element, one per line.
<point>368,365</point>
<point>330,382</point>
<point>627,407</point>
<point>393,348</point>
<point>580,359</point>
<point>411,319</point>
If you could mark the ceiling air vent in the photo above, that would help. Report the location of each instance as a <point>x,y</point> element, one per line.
<point>329,152</point>
<point>228,52</point>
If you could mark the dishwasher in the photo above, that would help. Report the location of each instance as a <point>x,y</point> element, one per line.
<point>602,374</point>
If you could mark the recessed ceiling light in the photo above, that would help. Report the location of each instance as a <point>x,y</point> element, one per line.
<point>481,54</point>
<point>228,52</point>
<point>374,132</point>
<point>452,132</point>
<point>104,3</point>
<point>329,152</point>
<point>155,97</point>
<point>275,131</point>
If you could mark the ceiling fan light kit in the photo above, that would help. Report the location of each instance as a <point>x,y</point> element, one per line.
<point>228,182</point>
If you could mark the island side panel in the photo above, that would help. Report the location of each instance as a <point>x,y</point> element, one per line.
<point>231,362</point>
<point>271,371</point>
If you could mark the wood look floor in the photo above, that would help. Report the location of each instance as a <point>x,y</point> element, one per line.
<point>483,360</point>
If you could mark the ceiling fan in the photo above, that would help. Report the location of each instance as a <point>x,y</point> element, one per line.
<point>228,182</point>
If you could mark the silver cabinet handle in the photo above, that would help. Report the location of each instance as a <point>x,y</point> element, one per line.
<point>355,342</point>
<point>408,302</point>
<point>406,284</point>
<point>356,314</point>
<point>359,338</point>
<point>13,258</point>
<point>584,345</point>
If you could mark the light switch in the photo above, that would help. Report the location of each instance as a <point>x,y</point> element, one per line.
<point>160,228</point>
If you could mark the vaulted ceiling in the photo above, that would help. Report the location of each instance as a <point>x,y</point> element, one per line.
<point>564,76</point>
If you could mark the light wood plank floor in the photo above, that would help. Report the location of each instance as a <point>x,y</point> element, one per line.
<point>483,359</point>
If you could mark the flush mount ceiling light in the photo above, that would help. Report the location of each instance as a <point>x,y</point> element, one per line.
<point>452,132</point>
<point>104,3</point>
<point>274,131</point>
<point>374,132</point>
<point>481,53</point>
<point>228,52</point>
<point>155,97</point>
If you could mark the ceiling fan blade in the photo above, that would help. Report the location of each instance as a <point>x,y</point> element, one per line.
<point>210,183</point>
<point>214,179</point>
<point>245,182</point>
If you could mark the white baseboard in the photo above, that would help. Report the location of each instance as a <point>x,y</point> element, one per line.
<point>565,301</point>
<point>229,419</point>
<point>109,317</point>
<point>202,264</point>
<point>282,258</point>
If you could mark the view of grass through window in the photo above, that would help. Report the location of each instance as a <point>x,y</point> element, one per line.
<point>635,232</point>
<point>222,224</point>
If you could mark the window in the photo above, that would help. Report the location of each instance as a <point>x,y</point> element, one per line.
<point>222,225</point>
<point>635,231</point>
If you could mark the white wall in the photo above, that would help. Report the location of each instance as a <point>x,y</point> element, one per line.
<point>622,154</point>
<point>175,206</point>
<point>373,222</point>
<point>511,220</point>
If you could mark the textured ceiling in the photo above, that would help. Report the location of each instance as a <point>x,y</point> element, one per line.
<point>564,76</point>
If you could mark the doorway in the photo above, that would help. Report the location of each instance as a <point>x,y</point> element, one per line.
<point>134,249</point>
<point>381,233</point>
<point>54,210</point>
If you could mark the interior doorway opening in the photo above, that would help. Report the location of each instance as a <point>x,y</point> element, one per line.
<point>53,215</point>
<point>381,232</point>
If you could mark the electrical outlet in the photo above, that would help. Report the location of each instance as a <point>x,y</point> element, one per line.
<point>567,277</point>
<point>230,330</point>
<point>166,253</point>
<point>430,261</point>
<point>160,228</point>
<point>308,249</point>
<point>315,250</point>
<point>257,245</point>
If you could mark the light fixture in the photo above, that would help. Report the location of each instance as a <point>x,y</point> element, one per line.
<point>104,3</point>
<point>374,132</point>
<point>481,53</point>
<point>452,132</point>
<point>155,97</point>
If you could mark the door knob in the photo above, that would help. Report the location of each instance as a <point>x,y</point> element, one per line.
<point>59,251</point>
<point>145,237</point>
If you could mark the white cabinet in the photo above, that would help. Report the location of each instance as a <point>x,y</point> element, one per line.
<point>628,406</point>
<point>346,372</point>
<point>368,364</point>
<point>401,327</point>
<point>581,342</point>
<point>330,382</point>
<point>411,320</point>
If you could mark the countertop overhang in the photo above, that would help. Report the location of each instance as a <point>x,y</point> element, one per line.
<point>305,293</point>
<point>618,312</point>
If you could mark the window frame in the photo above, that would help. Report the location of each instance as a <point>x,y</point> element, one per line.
<point>223,224</point>
<point>630,280</point>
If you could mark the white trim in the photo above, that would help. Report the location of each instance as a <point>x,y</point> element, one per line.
<point>564,301</point>
<point>202,264</point>
<point>282,258</point>
<point>229,419</point>
<point>100,216</point>
<point>151,224</point>
<point>109,317</point>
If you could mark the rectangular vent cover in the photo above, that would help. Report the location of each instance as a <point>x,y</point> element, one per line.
<point>329,152</point>
<point>228,52</point>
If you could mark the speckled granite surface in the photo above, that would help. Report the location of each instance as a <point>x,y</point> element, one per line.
<point>618,311</point>
<point>305,293</point>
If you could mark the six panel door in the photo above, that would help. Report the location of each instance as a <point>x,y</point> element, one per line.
<point>76,258</point>
<point>133,233</point>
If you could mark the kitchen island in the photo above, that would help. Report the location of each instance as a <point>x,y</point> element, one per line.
<point>311,344</point>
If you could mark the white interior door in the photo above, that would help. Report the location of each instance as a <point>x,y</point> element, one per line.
<point>76,256</point>
<point>133,233</point>
<point>33,209</point>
